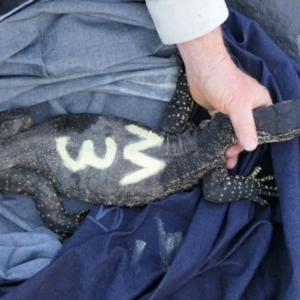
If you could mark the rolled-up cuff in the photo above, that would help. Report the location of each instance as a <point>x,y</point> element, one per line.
<point>179,21</point>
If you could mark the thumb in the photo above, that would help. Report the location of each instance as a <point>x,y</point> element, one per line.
<point>244,127</point>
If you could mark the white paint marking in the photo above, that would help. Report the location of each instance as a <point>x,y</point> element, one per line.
<point>168,243</point>
<point>131,152</point>
<point>87,156</point>
<point>137,254</point>
<point>298,43</point>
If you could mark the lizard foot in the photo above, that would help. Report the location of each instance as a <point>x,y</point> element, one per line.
<point>218,187</point>
<point>264,190</point>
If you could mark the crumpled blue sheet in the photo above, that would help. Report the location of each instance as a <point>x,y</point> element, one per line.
<point>278,18</point>
<point>26,245</point>
<point>184,247</point>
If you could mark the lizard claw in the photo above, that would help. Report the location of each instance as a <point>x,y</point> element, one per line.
<point>264,189</point>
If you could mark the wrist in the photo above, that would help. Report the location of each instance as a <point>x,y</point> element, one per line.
<point>206,50</point>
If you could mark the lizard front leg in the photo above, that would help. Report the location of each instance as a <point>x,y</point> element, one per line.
<point>48,203</point>
<point>177,113</point>
<point>218,187</point>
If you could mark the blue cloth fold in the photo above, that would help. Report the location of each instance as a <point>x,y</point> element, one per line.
<point>26,245</point>
<point>184,247</point>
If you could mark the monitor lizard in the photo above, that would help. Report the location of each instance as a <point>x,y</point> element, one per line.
<point>113,161</point>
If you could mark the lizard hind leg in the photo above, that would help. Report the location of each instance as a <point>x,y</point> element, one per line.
<point>48,203</point>
<point>218,187</point>
<point>14,121</point>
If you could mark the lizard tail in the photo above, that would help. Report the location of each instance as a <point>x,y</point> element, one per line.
<point>278,122</point>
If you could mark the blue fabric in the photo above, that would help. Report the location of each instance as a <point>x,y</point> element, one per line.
<point>184,247</point>
<point>26,245</point>
<point>86,56</point>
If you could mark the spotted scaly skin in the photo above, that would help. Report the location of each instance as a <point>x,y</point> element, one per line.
<point>178,111</point>
<point>102,159</point>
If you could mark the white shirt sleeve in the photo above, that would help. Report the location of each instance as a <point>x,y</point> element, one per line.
<point>179,21</point>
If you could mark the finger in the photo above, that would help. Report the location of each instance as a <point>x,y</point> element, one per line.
<point>231,162</point>
<point>244,127</point>
<point>232,154</point>
<point>233,150</point>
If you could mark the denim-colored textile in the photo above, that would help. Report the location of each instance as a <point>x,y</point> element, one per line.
<point>26,245</point>
<point>67,56</point>
<point>9,7</point>
<point>99,56</point>
<point>185,247</point>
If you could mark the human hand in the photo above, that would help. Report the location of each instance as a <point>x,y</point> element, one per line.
<point>219,86</point>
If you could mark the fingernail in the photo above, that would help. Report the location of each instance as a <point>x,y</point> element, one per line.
<point>249,144</point>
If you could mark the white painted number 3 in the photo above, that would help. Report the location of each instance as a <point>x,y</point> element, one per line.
<point>87,156</point>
